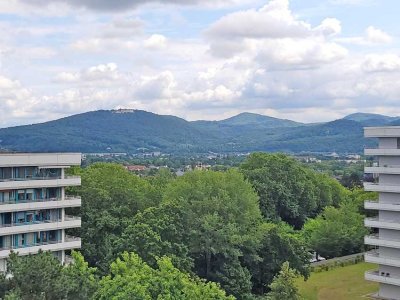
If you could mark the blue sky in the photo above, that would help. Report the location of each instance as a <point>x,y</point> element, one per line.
<point>303,60</point>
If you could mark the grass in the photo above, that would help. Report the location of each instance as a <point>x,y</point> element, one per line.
<point>342,283</point>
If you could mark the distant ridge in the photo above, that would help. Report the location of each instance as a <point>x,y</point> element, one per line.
<point>129,130</point>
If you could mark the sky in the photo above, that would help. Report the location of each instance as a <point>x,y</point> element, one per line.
<point>305,60</point>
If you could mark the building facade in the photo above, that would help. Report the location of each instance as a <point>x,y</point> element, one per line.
<point>33,204</point>
<point>386,225</point>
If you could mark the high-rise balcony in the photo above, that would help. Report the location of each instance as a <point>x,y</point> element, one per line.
<point>379,223</point>
<point>45,203</point>
<point>386,169</point>
<point>375,205</point>
<point>35,226</point>
<point>377,276</point>
<point>43,182</point>
<point>377,258</point>
<point>58,245</point>
<point>378,187</point>
<point>382,152</point>
<point>376,240</point>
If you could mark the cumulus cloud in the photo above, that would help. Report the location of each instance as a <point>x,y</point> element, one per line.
<point>156,42</point>
<point>102,72</point>
<point>275,36</point>
<point>372,37</point>
<point>377,36</point>
<point>381,63</point>
<point>267,60</point>
<point>274,20</point>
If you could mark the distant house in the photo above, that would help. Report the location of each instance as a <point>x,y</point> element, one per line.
<point>136,168</point>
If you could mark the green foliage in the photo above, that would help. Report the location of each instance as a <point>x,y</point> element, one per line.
<point>112,196</point>
<point>336,232</point>
<point>206,223</point>
<point>283,287</point>
<point>42,277</point>
<point>35,276</point>
<point>289,191</point>
<point>277,244</point>
<point>80,281</point>
<point>131,278</point>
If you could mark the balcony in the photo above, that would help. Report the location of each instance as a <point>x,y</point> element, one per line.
<point>385,224</point>
<point>382,152</point>
<point>46,203</point>
<point>384,188</point>
<point>68,244</point>
<point>395,170</point>
<point>382,131</point>
<point>17,228</point>
<point>34,182</point>
<point>382,278</point>
<point>375,240</point>
<point>376,258</point>
<point>375,205</point>
<point>40,159</point>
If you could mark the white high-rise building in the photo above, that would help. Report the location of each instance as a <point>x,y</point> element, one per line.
<point>33,203</point>
<point>386,240</point>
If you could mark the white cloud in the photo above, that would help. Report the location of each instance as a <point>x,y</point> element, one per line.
<point>377,36</point>
<point>381,63</point>
<point>156,42</point>
<point>274,36</point>
<point>372,37</point>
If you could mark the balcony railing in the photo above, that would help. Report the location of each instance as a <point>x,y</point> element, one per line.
<point>15,201</point>
<point>370,204</point>
<point>70,218</point>
<point>382,151</point>
<point>30,178</point>
<point>382,277</point>
<point>377,258</point>
<point>381,187</point>
<point>67,239</point>
<point>67,218</point>
<point>376,222</point>
<point>376,240</point>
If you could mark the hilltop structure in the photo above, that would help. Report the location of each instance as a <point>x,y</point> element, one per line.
<point>386,240</point>
<point>33,203</point>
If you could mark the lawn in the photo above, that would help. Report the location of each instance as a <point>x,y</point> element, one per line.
<point>342,283</point>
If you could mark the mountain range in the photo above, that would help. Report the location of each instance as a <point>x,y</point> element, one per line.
<point>136,131</point>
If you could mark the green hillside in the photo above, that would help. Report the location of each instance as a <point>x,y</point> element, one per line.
<point>138,131</point>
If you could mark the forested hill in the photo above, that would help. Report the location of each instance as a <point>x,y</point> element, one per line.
<point>137,131</point>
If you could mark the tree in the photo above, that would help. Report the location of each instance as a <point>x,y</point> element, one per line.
<point>278,243</point>
<point>131,278</point>
<point>289,191</point>
<point>336,232</point>
<point>111,198</point>
<point>206,223</point>
<point>41,276</point>
<point>283,287</point>
<point>35,276</point>
<point>80,281</point>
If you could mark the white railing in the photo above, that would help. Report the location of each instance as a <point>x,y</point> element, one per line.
<point>67,239</point>
<point>30,178</point>
<point>16,201</point>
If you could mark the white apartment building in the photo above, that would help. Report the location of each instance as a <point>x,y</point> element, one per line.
<point>386,240</point>
<point>33,203</point>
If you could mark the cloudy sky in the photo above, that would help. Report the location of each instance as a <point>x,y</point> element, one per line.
<point>314,60</point>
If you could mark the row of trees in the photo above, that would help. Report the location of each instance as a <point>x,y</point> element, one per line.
<point>41,277</point>
<point>233,229</point>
